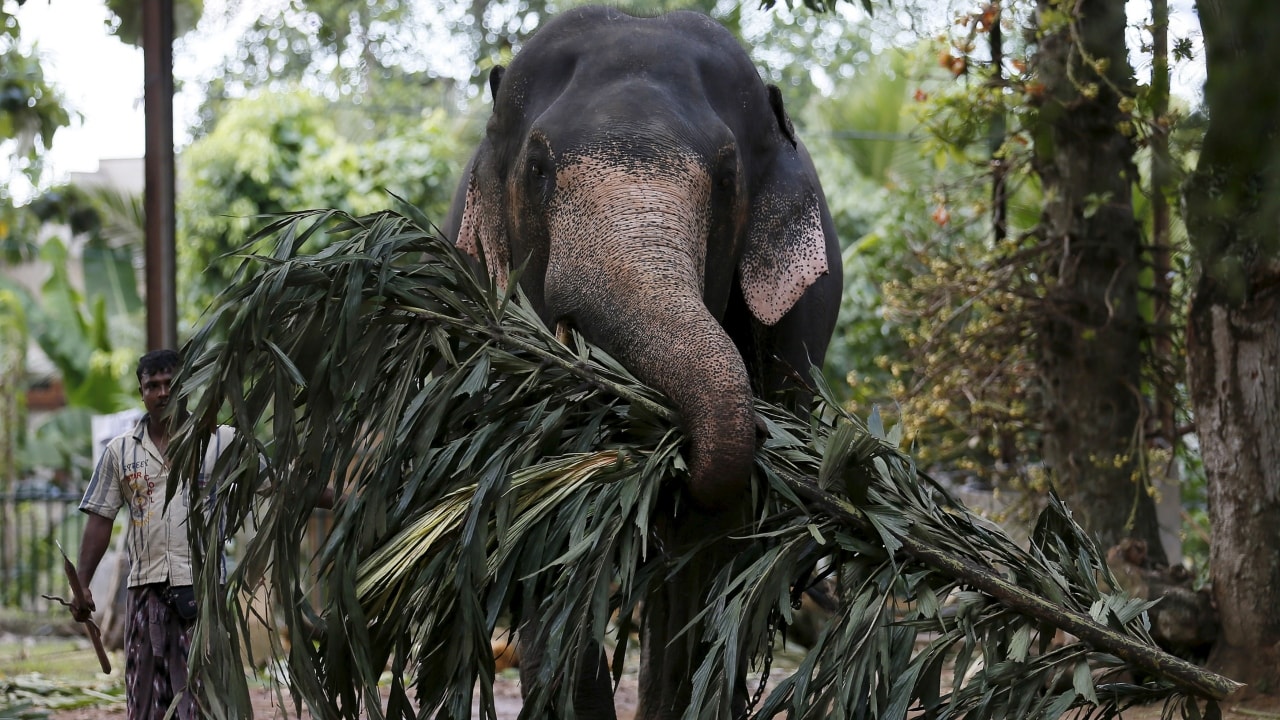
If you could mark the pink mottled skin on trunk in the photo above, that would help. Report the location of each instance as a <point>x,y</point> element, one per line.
<point>626,265</point>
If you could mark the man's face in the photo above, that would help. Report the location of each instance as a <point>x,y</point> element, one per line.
<point>154,388</point>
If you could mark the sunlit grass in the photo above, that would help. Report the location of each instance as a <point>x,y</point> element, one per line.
<point>39,675</point>
<point>62,658</point>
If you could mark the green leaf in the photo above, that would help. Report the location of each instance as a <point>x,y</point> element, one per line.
<point>1082,682</point>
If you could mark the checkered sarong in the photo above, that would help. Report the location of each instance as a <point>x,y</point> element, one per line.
<point>156,645</point>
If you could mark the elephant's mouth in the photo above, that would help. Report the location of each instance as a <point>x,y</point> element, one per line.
<point>564,328</point>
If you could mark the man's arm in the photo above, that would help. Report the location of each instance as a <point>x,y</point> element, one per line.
<point>94,544</point>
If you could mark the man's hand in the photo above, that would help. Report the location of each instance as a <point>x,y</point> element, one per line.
<point>81,604</point>
<point>97,536</point>
<point>83,611</point>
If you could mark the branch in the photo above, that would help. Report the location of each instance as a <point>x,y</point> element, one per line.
<point>498,334</point>
<point>1141,656</point>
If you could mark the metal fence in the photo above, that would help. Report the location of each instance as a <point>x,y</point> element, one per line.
<point>32,524</point>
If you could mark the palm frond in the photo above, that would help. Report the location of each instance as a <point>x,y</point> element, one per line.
<point>485,466</point>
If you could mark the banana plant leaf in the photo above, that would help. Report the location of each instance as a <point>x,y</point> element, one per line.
<point>484,466</point>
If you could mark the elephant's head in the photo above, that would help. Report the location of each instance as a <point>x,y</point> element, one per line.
<point>646,181</point>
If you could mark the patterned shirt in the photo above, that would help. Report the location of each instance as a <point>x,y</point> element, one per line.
<point>132,471</point>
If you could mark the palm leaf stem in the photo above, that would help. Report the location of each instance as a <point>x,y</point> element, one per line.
<point>497,334</point>
<point>1142,656</point>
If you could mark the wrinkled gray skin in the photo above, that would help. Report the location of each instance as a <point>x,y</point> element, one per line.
<point>653,190</point>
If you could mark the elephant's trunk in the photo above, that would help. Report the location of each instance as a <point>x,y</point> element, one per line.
<point>684,353</point>
<point>626,266</point>
<point>698,367</point>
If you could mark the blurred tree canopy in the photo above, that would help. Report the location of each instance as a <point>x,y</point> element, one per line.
<point>31,112</point>
<point>366,55</point>
<point>126,18</point>
<point>86,317</point>
<point>977,309</point>
<point>281,150</point>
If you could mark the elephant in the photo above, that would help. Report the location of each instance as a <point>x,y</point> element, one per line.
<point>651,191</point>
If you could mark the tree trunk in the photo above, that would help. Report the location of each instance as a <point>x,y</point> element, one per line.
<point>1169,362</point>
<point>1233,210</point>
<point>1090,354</point>
<point>1235,387</point>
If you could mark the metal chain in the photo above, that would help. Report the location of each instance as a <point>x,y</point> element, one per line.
<point>772,630</point>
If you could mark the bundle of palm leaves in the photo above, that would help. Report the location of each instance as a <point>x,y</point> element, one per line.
<point>485,466</point>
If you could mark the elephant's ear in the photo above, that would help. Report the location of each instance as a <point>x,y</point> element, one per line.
<point>786,248</point>
<point>483,232</point>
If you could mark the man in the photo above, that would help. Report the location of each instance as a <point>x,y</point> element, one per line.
<point>134,471</point>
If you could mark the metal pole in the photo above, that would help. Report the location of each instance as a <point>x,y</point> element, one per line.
<point>157,50</point>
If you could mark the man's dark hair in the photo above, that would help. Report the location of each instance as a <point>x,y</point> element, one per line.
<point>157,361</point>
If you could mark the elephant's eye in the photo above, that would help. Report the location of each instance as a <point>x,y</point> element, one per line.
<point>540,179</point>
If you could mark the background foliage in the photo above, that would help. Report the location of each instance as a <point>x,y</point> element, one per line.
<point>281,150</point>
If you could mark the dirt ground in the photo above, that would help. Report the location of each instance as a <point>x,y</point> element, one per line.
<point>507,691</point>
<point>267,707</point>
<point>78,661</point>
